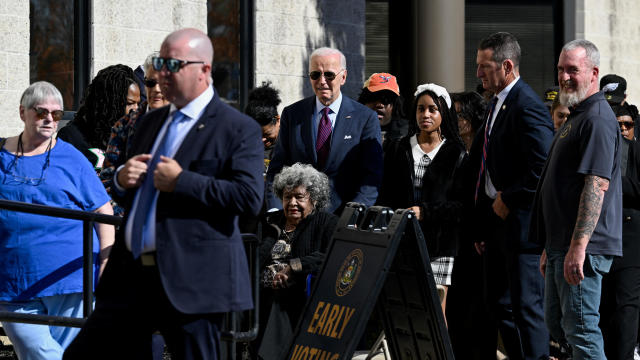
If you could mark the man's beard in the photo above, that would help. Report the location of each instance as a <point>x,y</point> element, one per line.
<point>574,98</point>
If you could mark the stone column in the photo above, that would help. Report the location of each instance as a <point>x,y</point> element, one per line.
<point>14,63</point>
<point>440,43</point>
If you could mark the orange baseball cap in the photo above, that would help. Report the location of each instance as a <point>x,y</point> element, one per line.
<point>382,81</point>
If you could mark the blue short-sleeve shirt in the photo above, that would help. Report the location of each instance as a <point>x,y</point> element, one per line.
<point>41,255</point>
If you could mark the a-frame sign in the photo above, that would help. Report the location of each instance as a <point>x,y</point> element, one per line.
<point>378,259</point>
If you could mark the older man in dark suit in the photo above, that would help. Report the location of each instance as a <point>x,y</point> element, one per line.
<point>178,264</point>
<point>332,132</point>
<point>507,157</point>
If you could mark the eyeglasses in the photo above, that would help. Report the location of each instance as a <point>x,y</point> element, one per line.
<point>627,124</point>
<point>329,75</point>
<point>150,83</point>
<point>384,99</point>
<point>173,65</point>
<point>19,179</point>
<point>43,113</point>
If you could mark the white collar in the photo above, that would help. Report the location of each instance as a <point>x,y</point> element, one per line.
<point>334,106</point>
<point>418,152</point>
<point>503,94</point>
<point>196,107</point>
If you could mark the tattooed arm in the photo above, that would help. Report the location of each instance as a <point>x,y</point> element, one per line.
<point>588,214</point>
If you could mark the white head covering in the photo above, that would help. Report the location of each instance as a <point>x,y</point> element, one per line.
<point>436,89</point>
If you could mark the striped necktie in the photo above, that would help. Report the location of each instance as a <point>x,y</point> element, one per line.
<point>323,141</point>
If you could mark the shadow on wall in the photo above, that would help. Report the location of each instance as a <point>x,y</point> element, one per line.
<point>340,25</point>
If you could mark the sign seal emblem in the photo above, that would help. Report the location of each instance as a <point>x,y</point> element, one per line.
<point>349,272</point>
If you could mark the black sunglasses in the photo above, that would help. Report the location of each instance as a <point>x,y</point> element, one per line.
<point>173,65</point>
<point>329,75</point>
<point>627,124</point>
<point>150,83</point>
<point>42,113</point>
<point>385,99</point>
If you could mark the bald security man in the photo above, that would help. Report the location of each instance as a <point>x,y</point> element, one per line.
<point>178,263</point>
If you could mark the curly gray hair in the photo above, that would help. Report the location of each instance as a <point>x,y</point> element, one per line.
<point>315,182</point>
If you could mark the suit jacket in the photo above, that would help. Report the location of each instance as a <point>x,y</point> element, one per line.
<point>354,165</point>
<point>518,146</point>
<point>200,254</point>
<point>631,210</point>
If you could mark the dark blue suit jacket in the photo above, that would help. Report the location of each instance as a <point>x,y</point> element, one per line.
<point>200,254</point>
<point>517,150</point>
<point>354,166</point>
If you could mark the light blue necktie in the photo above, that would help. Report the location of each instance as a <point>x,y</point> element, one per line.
<point>141,220</point>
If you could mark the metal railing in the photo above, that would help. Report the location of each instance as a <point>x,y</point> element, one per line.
<point>88,219</point>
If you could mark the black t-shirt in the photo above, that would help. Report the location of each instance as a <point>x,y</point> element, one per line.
<point>587,144</point>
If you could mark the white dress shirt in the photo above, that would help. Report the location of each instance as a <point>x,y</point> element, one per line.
<point>489,189</point>
<point>193,111</point>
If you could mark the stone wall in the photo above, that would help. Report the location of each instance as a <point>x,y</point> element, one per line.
<point>288,31</point>
<point>14,62</point>
<point>125,31</point>
<point>614,26</point>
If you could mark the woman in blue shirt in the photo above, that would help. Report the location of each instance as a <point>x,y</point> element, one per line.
<point>41,256</point>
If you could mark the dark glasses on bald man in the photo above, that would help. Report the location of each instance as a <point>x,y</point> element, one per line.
<point>173,65</point>
<point>329,75</point>
<point>42,113</point>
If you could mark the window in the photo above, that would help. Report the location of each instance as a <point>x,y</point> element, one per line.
<point>532,22</point>
<point>51,53</point>
<point>223,27</point>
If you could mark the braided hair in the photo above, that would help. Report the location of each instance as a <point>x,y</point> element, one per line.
<point>449,123</point>
<point>262,104</point>
<point>103,104</point>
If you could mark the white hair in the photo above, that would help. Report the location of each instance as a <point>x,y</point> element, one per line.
<point>590,48</point>
<point>39,92</point>
<point>148,62</point>
<point>326,51</point>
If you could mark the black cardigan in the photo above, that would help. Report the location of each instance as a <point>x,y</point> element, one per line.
<point>442,192</point>
<point>280,309</point>
<point>310,239</point>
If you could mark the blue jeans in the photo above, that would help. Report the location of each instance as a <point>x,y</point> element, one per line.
<point>571,311</point>
<point>42,342</point>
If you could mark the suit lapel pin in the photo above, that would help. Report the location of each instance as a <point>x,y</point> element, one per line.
<point>504,106</point>
<point>200,127</point>
<point>348,117</point>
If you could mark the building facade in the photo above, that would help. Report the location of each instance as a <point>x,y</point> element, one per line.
<point>67,42</point>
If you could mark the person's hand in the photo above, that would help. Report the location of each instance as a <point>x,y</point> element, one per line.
<point>133,172</point>
<point>166,174</point>
<point>573,263</point>
<point>418,211</point>
<point>499,207</point>
<point>543,263</point>
<point>480,247</point>
<point>281,277</point>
